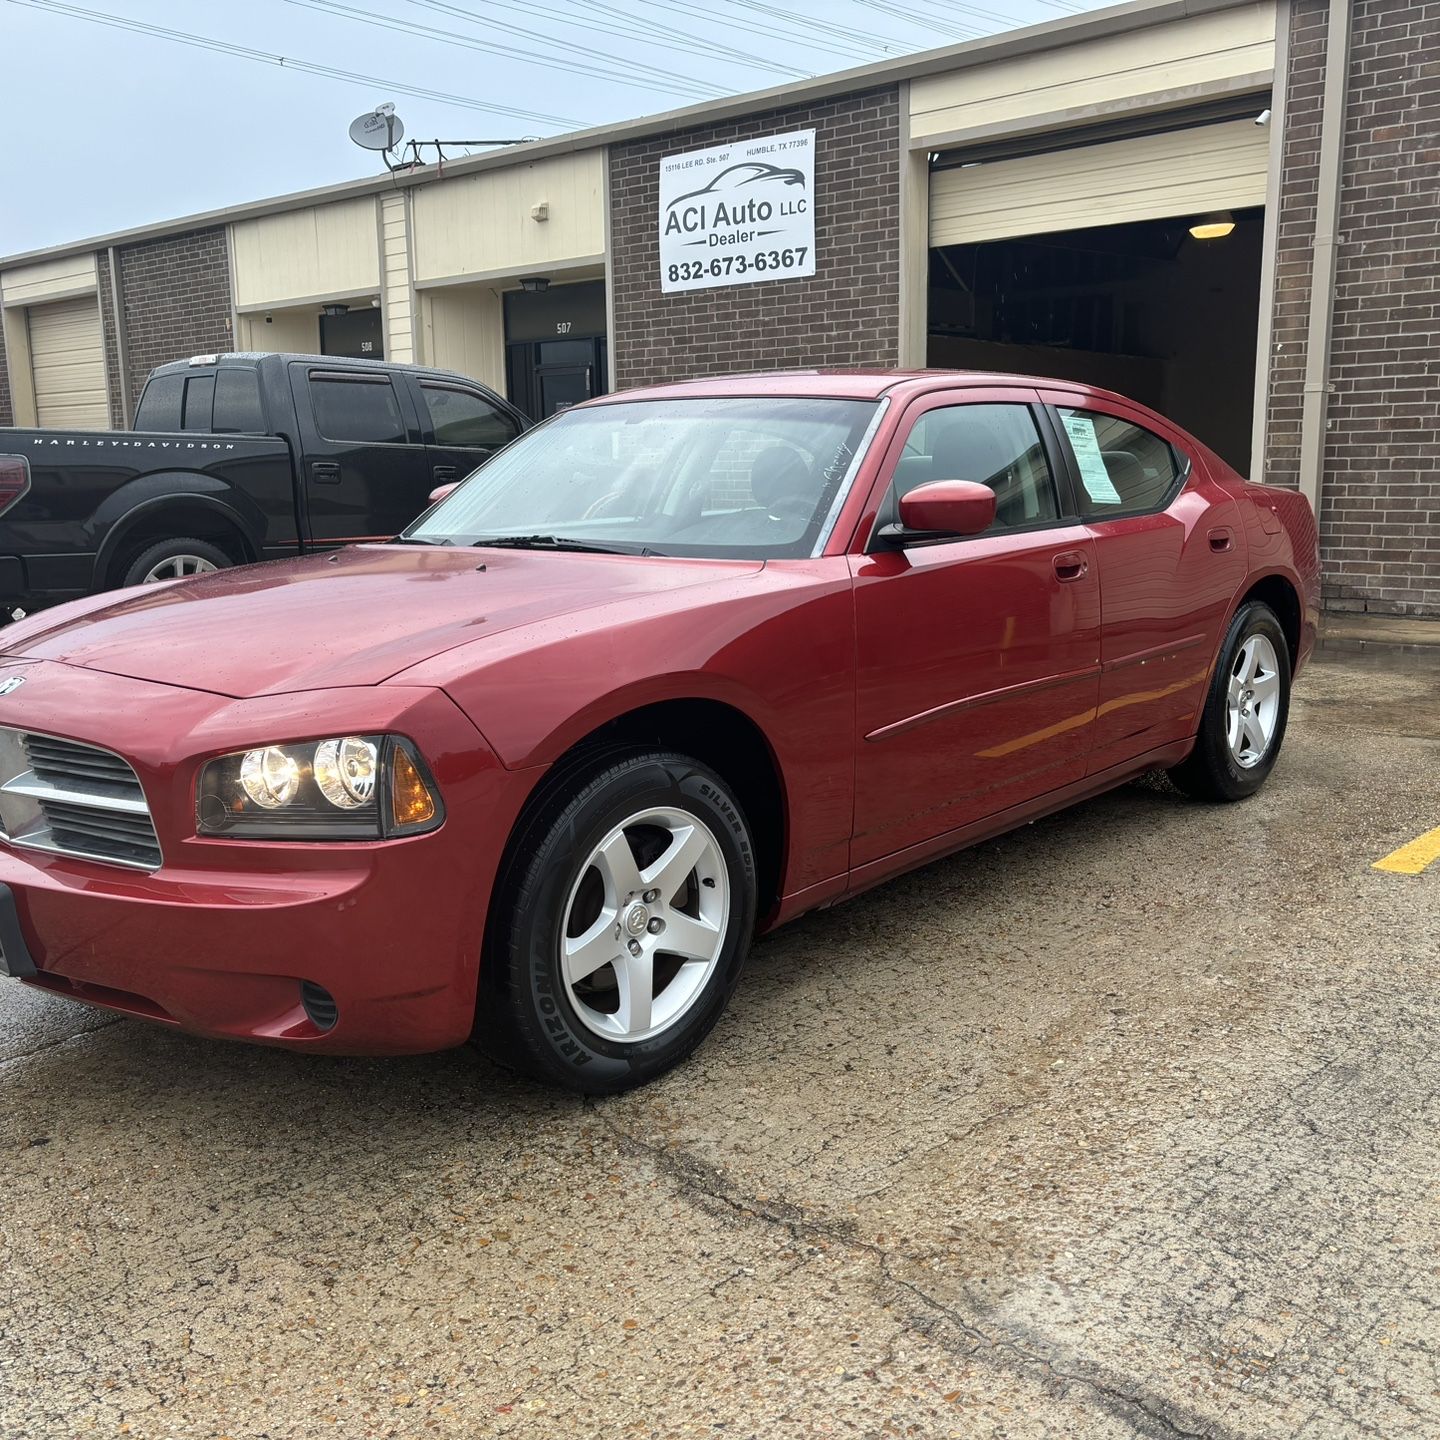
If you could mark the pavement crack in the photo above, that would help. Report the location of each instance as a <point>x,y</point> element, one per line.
<point>1146,1415</point>
<point>58,1044</point>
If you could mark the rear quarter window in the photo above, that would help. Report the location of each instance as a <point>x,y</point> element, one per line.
<point>1123,468</point>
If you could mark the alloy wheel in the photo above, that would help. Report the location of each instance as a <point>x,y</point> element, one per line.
<point>1252,702</point>
<point>177,567</point>
<point>644,925</point>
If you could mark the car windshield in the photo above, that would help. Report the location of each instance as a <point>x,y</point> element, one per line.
<point>734,476</point>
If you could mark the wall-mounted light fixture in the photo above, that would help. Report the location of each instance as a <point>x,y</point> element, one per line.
<point>334,310</point>
<point>535,284</point>
<point>1213,227</point>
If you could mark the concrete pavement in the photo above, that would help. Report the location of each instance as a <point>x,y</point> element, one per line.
<point>1124,1124</point>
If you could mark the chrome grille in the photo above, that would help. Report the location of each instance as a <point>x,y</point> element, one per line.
<point>74,799</point>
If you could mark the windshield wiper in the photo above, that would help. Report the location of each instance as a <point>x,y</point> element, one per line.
<point>417,540</point>
<point>554,542</point>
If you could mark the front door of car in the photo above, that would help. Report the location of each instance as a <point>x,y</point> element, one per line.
<point>1170,550</point>
<point>364,471</point>
<point>977,658</point>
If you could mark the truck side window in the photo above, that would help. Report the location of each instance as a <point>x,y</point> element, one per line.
<point>159,407</point>
<point>199,402</point>
<point>461,417</point>
<point>237,402</point>
<point>348,407</point>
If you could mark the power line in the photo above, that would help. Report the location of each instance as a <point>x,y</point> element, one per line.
<point>652,35</point>
<point>901,12</point>
<point>644,77</point>
<point>242,52</point>
<point>849,52</point>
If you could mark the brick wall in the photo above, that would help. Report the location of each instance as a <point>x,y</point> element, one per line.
<point>1380,496</point>
<point>846,314</point>
<point>175,294</point>
<point>7,409</point>
<point>109,334</point>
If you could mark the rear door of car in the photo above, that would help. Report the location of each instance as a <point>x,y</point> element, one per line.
<point>978,657</point>
<point>365,473</point>
<point>463,426</point>
<point>1170,549</point>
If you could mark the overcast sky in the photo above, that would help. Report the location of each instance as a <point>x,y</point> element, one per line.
<point>109,127</point>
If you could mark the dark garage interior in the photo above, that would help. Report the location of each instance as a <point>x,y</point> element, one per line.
<point>1143,308</point>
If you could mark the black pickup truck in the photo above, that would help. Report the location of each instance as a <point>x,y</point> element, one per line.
<point>235,458</point>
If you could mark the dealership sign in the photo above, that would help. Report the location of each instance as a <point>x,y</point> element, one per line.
<point>738,213</point>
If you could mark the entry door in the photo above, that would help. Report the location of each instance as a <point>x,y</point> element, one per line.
<point>1170,548</point>
<point>562,386</point>
<point>365,472</point>
<point>978,658</point>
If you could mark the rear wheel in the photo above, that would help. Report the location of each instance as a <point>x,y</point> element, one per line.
<point>621,926</point>
<point>175,560</point>
<point>1246,709</point>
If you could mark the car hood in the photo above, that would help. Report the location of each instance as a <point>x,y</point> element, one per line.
<point>355,617</point>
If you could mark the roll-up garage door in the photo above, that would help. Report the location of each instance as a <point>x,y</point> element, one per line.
<point>1147,177</point>
<point>67,358</point>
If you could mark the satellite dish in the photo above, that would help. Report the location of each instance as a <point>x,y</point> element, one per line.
<point>378,129</point>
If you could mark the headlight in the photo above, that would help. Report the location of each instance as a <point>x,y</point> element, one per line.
<point>352,787</point>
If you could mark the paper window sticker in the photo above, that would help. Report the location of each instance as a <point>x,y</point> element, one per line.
<point>1093,474</point>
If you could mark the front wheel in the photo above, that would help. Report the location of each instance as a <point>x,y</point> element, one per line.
<point>1246,709</point>
<point>622,922</point>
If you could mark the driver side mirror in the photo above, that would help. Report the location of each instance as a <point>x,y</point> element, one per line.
<point>947,507</point>
<point>441,491</point>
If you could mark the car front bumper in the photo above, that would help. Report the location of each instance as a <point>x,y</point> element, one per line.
<point>221,937</point>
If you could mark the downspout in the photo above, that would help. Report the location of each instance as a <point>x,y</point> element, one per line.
<point>121,360</point>
<point>1322,267</point>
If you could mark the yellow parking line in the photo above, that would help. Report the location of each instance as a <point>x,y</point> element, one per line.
<point>1411,859</point>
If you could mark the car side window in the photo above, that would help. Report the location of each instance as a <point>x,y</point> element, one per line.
<point>461,417</point>
<point>358,409</point>
<point>997,445</point>
<point>1124,469</point>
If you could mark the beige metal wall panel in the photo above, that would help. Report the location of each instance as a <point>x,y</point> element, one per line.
<point>50,279</point>
<point>1185,55</point>
<point>67,360</point>
<point>397,296</point>
<point>465,331</point>
<point>482,224</point>
<point>306,254</point>
<point>1181,172</point>
<point>297,331</point>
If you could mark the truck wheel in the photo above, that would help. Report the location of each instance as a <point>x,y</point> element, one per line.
<point>620,926</point>
<point>174,560</point>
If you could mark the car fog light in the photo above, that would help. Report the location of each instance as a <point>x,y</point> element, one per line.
<point>270,777</point>
<point>346,771</point>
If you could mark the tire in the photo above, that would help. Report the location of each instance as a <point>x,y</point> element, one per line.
<point>571,894</point>
<point>1242,726</point>
<point>185,556</point>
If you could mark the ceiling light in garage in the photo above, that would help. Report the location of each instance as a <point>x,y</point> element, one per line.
<point>1213,227</point>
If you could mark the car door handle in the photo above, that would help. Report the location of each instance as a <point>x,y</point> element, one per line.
<point>442,474</point>
<point>1221,539</point>
<point>1071,565</point>
<point>323,472</point>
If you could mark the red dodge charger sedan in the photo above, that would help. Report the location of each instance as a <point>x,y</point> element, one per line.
<point>676,666</point>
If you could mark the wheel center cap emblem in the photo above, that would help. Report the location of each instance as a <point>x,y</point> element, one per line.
<point>638,920</point>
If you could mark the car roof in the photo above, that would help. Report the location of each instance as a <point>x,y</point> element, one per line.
<point>847,384</point>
